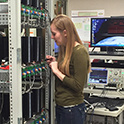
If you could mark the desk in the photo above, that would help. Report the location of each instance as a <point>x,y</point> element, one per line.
<point>105,112</point>
<point>100,110</point>
<point>108,93</point>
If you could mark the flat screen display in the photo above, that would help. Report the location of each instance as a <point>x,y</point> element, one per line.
<point>56,48</point>
<point>98,76</point>
<point>107,32</point>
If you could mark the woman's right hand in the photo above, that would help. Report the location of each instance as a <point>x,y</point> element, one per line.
<point>53,64</point>
<point>50,59</point>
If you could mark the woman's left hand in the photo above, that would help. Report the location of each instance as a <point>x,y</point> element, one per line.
<point>54,66</point>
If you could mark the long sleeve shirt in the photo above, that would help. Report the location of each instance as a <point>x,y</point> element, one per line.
<point>70,90</point>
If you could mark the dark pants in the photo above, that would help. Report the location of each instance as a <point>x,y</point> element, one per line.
<point>70,115</point>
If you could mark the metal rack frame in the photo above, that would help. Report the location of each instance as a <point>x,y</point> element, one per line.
<point>14,26</point>
<point>49,51</point>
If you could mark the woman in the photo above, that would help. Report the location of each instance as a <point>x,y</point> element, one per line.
<point>71,69</point>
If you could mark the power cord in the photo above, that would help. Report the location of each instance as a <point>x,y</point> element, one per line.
<point>93,106</point>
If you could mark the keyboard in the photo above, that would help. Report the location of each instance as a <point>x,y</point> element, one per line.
<point>109,103</point>
<point>107,53</point>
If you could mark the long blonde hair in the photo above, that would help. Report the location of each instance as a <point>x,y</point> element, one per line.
<point>63,22</point>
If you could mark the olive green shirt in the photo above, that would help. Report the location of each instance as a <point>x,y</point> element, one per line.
<point>70,90</point>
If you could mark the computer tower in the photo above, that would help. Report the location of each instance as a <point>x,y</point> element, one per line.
<point>27,49</point>
<point>36,103</point>
<point>4,52</point>
<point>31,49</point>
<point>5,110</point>
<point>37,47</point>
<point>31,104</point>
<point>36,3</point>
<point>26,106</point>
<point>26,2</point>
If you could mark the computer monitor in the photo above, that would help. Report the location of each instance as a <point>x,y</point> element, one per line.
<point>56,48</point>
<point>98,76</point>
<point>107,32</point>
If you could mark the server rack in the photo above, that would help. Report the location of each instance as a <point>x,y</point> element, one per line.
<point>15,97</point>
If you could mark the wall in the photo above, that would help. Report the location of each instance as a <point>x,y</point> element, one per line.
<point>111,7</point>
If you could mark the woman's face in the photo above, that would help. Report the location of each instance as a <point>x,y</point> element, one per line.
<point>59,37</point>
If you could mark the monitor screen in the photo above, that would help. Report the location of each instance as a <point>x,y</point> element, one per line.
<point>56,48</point>
<point>107,32</point>
<point>98,76</point>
